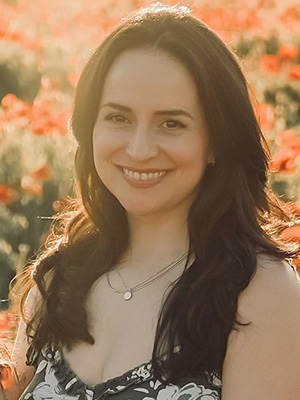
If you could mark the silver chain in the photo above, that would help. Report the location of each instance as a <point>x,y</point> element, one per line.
<point>127,294</point>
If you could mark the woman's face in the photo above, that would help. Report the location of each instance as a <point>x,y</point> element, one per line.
<point>150,144</point>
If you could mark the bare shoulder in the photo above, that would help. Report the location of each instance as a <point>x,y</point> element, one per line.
<point>23,373</point>
<point>275,286</point>
<point>262,359</point>
<point>34,297</point>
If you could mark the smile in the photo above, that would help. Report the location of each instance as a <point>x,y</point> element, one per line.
<point>143,176</point>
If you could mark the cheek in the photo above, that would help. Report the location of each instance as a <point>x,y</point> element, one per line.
<point>100,152</point>
<point>104,145</point>
<point>192,157</point>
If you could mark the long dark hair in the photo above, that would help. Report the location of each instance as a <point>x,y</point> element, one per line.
<point>233,218</point>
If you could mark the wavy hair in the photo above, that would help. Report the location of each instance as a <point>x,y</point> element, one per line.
<point>233,217</point>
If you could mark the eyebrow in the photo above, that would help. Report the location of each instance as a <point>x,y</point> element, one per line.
<point>163,112</point>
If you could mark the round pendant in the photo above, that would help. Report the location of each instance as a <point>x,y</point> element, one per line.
<point>127,295</point>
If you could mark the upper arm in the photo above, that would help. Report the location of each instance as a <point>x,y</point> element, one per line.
<point>263,359</point>
<point>22,373</point>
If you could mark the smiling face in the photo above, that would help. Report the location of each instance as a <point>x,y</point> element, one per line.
<point>150,143</point>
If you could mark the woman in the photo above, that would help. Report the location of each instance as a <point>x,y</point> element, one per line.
<point>167,278</point>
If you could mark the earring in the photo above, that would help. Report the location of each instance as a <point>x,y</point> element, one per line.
<point>211,161</point>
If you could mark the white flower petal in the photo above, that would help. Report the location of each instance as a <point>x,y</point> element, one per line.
<point>41,366</point>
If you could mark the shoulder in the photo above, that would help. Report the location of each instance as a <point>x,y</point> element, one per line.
<point>262,359</point>
<point>34,297</point>
<point>275,286</point>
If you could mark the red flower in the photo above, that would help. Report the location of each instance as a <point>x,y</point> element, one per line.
<point>291,234</point>
<point>9,100</point>
<point>296,262</point>
<point>265,116</point>
<point>40,108</point>
<point>284,161</point>
<point>7,194</point>
<point>269,63</point>
<point>38,127</point>
<point>46,121</point>
<point>31,183</point>
<point>288,139</point>
<point>15,36</point>
<point>291,14</point>
<point>42,173</point>
<point>4,322</point>
<point>294,72</point>
<point>288,52</point>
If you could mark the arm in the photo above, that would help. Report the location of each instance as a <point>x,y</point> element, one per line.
<point>262,361</point>
<point>1,394</point>
<point>21,373</point>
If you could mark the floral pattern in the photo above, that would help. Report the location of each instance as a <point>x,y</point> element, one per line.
<point>191,391</point>
<point>54,380</point>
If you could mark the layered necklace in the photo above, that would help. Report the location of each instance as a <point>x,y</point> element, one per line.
<point>127,294</point>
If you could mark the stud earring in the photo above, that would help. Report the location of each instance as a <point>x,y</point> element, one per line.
<point>211,161</point>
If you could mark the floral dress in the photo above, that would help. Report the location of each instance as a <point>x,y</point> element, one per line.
<point>54,380</point>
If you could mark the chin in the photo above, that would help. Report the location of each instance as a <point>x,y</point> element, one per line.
<point>139,210</point>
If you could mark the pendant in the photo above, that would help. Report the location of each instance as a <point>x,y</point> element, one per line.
<point>127,295</point>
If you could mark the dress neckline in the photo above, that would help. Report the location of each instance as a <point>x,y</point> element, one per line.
<point>69,381</point>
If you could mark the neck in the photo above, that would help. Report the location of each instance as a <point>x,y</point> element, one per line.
<point>161,237</point>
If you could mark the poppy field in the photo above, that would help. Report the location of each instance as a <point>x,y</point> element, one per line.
<point>43,48</point>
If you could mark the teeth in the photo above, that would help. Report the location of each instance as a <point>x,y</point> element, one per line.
<point>143,176</point>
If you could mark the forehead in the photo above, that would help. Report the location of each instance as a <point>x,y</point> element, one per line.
<point>149,77</point>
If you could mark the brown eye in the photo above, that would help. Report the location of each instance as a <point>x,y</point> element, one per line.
<point>173,124</point>
<point>117,118</point>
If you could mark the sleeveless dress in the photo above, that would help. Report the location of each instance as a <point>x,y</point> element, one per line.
<point>54,380</point>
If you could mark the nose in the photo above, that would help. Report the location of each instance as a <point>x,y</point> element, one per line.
<point>141,145</point>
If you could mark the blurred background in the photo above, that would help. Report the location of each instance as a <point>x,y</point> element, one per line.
<point>44,46</point>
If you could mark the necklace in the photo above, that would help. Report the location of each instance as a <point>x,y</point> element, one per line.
<point>127,294</point>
